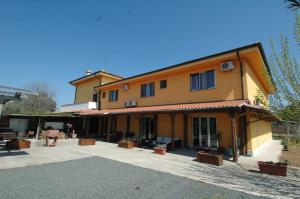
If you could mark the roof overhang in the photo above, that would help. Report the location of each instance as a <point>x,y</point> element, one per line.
<point>249,52</point>
<point>93,76</point>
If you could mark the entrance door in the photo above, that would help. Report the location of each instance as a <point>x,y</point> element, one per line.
<point>148,128</point>
<point>205,132</point>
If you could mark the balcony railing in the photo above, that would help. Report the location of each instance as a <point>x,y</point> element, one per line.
<point>78,106</point>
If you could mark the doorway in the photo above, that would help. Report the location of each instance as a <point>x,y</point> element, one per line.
<point>205,132</point>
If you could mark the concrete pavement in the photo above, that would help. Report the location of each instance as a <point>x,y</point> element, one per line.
<point>240,177</point>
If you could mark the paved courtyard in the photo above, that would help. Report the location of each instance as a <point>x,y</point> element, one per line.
<point>230,176</point>
<point>98,177</point>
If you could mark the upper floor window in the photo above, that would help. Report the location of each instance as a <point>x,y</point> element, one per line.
<point>202,81</point>
<point>147,90</point>
<point>113,95</point>
<point>95,97</point>
<point>163,84</point>
<point>103,95</point>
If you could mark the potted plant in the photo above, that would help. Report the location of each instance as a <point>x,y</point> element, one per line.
<point>271,168</point>
<point>86,141</point>
<point>16,144</point>
<point>210,157</point>
<point>159,149</point>
<point>126,143</point>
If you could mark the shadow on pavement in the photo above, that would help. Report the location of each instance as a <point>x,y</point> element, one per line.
<point>12,153</point>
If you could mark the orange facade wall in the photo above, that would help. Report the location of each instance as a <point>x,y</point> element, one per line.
<point>228,87</point>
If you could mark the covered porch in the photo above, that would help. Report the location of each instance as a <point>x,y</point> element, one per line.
<point>225,126</point>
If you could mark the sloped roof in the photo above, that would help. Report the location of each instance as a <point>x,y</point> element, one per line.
<point>220,105</point>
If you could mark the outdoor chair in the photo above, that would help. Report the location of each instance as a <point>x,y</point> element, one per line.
<point>164,141</point>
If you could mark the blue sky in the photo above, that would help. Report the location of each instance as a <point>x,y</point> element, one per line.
<point>56,41</point>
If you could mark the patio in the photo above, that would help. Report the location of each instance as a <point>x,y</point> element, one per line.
<point>240,177</point>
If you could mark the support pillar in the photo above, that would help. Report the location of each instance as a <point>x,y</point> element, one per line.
<point>87,128</point>
<point>185,129</point>
<point>172,117</point>
<point>155,126</point>
<point>38,129</point>
<point>234,136</point>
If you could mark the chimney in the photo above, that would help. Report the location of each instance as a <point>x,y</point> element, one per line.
<point>88,72</point>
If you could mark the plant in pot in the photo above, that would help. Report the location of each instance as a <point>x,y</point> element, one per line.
<point>15,144</point>
<point>271,168</point>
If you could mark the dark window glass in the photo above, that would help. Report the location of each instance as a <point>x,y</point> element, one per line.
<point>103,95</point>
<point>196,131</point>
<point>95,97</point>
<point>211,79</point>
<point>163,84</point>
<point>195,82</point>
<point>113,95</point>
<point>202,81</point>
<point>148,90</point>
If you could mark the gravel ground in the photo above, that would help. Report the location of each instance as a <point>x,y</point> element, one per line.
<point>103,178</point>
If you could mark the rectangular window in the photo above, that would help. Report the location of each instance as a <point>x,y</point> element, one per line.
<point>103,95</point>
<point>163,84</point>
<point>95,97</point>
<point>113,95</point>
<point>202,81</point>
<point>148,90</point>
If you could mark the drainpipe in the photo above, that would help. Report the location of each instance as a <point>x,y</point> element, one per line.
<point>242,73</point>
<point>243,98</point>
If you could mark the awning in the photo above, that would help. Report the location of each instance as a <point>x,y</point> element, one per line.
<point>208,106</point>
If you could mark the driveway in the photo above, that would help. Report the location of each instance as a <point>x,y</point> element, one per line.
<point>98,177</point>
<point>238,177</point>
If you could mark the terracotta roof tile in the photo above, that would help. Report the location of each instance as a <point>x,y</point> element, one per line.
<point>170,108</point>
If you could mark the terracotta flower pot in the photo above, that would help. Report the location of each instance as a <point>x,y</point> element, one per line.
<point>16,144</point>
<point>160,151</point>
<point>270,168</point>
<point>24,144</point>
<point>126,144</point>
<point>84,142</point>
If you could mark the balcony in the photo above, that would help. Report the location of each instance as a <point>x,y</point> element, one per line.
<point>77,107</point>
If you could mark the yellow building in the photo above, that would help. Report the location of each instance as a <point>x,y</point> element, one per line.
<point>215,102</point>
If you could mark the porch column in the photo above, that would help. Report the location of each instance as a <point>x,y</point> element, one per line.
<point>234,136</point>
<point>87,128</point>
<point>38,129</point>
<point>185,129</point>
<point>155,126</point>
<point>109,129</point>
<point>141,121</point>
<point>128,124</point>
<point>172,117</point>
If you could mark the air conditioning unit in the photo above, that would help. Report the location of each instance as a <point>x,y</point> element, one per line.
<point>132,103</point>
<point>127,104</point>
<point>125,87</point>
<point>227,66</point>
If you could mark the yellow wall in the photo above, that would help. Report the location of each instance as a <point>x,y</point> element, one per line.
<point>164,126</point>
<point>228,87</point>
<point>252,84</point>
<point>223,127</point>
<point>259,133</point>
<point>85,89</point>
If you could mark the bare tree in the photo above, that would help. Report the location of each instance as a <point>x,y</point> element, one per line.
<point>293,4</point>
<point>42,103</point>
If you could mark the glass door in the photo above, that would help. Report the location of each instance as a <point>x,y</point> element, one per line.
<point>149,128</point>
<point>205,132</point>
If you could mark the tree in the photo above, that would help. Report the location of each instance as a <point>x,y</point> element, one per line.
<point>286,72</point>
<point>40,104</point>
<point>293,4</point>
